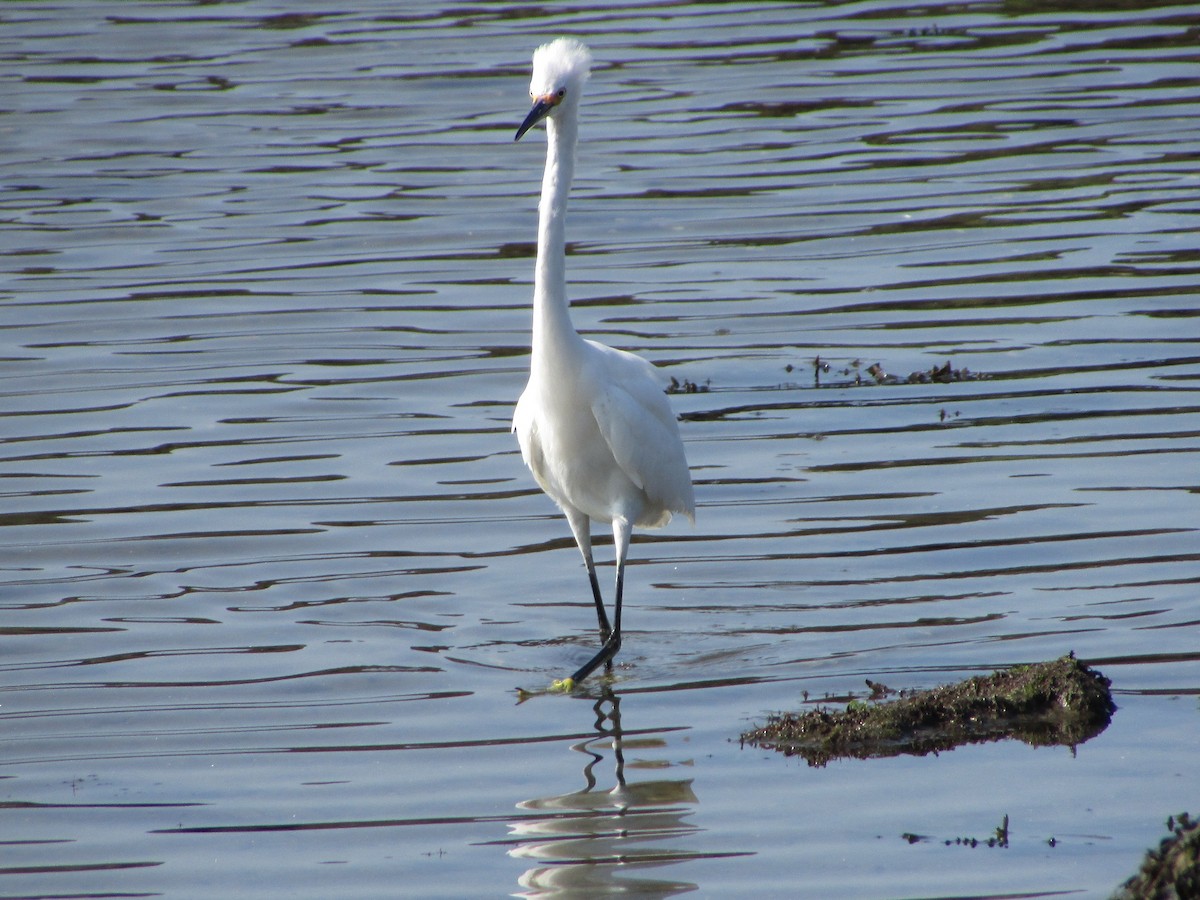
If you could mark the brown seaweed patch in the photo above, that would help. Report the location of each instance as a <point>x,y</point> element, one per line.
<point>1173,870</point>
<point>1060,702</point>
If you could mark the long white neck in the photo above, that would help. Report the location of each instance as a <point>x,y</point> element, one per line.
<point>552,328</point>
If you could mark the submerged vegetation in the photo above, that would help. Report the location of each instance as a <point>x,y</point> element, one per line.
<point>1060,702</point>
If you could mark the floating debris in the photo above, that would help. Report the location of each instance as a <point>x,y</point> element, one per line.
<point>686,387</point>
<point>942,375</point>
<point>819,366</point>
<point>852,374</point>
<point>1173,870</point>
<point>999,838</point>
<point>1061,702</point>
<point>878,690</point>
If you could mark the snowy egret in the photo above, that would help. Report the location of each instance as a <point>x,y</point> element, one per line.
<point>594,423</point>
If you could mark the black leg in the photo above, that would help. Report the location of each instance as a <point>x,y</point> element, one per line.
<point>581,528</point>
<point>607,652</point>
<point>601,615</point>
<point>613,642</point>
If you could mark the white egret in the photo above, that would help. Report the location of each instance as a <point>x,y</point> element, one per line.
<point>594,423</point>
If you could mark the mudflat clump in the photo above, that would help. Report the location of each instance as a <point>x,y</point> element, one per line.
<point>1172,872</point>
<point>1059,702</point>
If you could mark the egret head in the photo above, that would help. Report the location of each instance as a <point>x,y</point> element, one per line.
<point>560,70</point>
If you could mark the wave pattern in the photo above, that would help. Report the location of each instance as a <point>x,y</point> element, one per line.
<point>268,554</point>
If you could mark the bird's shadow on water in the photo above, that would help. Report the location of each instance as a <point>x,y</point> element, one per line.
<point>605,837</point>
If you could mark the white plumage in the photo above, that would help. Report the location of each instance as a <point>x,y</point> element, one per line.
<point>594,423</point>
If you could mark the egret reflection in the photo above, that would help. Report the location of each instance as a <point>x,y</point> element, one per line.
<point>605,840</point>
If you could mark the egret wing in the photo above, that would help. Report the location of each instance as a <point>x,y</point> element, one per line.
<point>640,430</point>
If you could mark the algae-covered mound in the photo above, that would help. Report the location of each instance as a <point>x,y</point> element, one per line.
<point>1172,872</point>
<point>1059,702</point>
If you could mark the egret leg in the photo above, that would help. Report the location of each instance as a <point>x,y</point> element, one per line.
<point>621,531</point>
<point>612,644</point>
<point>581,528</point>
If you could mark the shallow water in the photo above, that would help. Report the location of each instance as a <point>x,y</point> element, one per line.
<point>271,567</point>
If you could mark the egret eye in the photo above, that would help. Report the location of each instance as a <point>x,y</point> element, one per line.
<point>562,92</point>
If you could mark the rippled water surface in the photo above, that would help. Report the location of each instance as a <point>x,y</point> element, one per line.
<point>271,567</point>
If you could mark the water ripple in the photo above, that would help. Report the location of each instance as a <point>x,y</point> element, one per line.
<point>265,313</point>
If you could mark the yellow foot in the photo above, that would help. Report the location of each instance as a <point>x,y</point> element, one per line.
<point>561,686</point>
